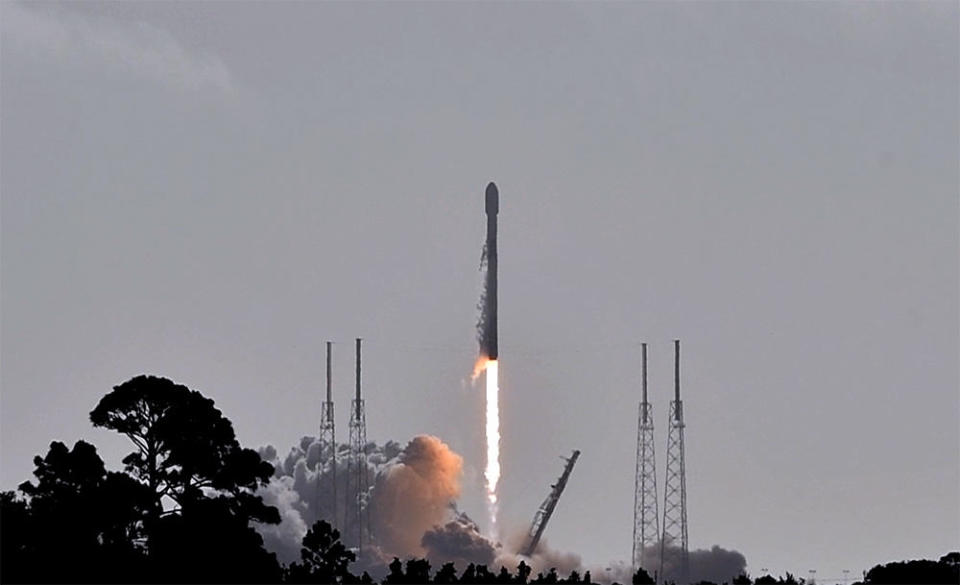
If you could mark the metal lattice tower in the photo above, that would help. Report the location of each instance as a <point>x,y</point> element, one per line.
<point>675,484</point>
<point>545,510</point>
<point>357,480</point>
<point>328,452</point>
<point>646,515</point>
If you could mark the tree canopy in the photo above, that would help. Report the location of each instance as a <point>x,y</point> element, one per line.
<point>184,446</point>
<point>324,559</point>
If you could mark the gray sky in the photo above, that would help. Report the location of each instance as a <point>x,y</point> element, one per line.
<point>209,191</point>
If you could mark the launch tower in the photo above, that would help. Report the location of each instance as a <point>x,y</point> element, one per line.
<point>328,452</point>
<point>357,480</point>
<point>646,521</point>
<point>675,480</point>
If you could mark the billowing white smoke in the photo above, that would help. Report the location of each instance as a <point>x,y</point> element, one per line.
<point>412,513</point>
<point>304,494</point>
<point>543,559</point>
<point>411,503</point>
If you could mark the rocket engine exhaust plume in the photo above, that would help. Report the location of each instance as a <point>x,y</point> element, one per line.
<point>487,334</point>
<point>492,471</point>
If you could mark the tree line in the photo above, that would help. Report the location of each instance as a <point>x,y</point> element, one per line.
<point>182,508</point>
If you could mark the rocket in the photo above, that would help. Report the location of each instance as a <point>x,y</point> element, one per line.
<point>488,334</point>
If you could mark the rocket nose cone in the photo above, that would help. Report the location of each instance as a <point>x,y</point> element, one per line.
<point>493,199</point>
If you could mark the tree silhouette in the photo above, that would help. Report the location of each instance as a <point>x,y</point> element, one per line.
<point>418,571</point>
<point>364,579</point>
<point>396,573</point>
<point>446,574</point>
<point>184,446</point>
<point>88,518</point>
<point>641,577</point>
<point>484,575</point>
<point>550,577</point>
<point>18,546</point>
<point>942,572</point>
<point>207,542</point>
<point>187,454</point>
<point>523,572</point>
<point>469,575</point>
<point>74,485</point>
<point>324,558</point>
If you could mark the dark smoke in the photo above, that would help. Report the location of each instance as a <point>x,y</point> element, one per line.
<point>458,541</point>
<point>716,564</point>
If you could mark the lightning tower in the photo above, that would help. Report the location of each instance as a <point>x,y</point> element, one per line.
<point>646,521</point>
<point>357,481</point>
<point>328,451</point>
<point>675,489</point>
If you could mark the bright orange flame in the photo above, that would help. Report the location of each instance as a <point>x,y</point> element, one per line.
<point>478,368</point>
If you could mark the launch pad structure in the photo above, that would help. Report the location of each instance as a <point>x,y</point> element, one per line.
<point>646,521</point>
<point>669,540</point>
<point>545,511</point>
<point>357,480</point>
<point>675,482</point>
<point>328,448</point>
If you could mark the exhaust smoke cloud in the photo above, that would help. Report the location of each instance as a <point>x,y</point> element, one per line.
<point>414,493</point>
<point>413,513</point>
<point>411,503</point>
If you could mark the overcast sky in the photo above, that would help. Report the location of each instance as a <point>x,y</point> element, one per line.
<point>209,191</point>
